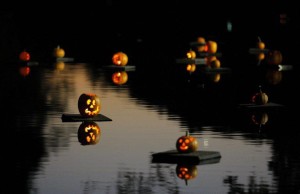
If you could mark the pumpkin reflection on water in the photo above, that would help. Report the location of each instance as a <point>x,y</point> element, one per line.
<point>24,71</point>
<point>89,133</point>
<point>120,77</point>
<point>186,172</point>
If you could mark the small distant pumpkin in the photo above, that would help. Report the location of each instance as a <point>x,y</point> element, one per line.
<point>191,68</point>
<point>212,46</point>
<point>120,59</point>
<point>202,44</point>
<point>24,71</point>
<point>260,98</point>
<point>120,77</point>
<point>89,105</point>
<point>59,52</point>
<point>260,44</point>
<point>24,56</point>
<point>186,143</point>
<point>89,133</point>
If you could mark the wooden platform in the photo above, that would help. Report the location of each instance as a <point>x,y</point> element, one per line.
<point>120,68</point>
<point>195,158</point>
<point>79,118</point>
<point>197,61</point>
<point>257,50</point>
<point>64,59</point>
<point>268,106</point>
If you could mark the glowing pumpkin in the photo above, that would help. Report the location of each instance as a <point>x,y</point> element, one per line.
<point>120,59</point>
<point>260,44</point>
<point>260,98</point>
<point>186,144</point>
<point>120,77</point>
<point>212,46</point>
<point>186,172</point>
<point>191,54</point>
<point>89,105</point>
<point>59,52</point>
<point>191,68</point>
<point>24,56</point>
<point>88,133</point>
<point>202,44</point>
<point>24,71</point>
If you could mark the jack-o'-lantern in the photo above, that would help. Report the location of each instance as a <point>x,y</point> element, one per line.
<point>202,44</point>
<point>260,118</point>
<point>120,59</point>
<point>186,143</point>
<point>274,77</point>
<point>89,105</point>
<point>120,77</point>
<point>24,71</point>
<point>212,46</point>
<point>89,133</point>
<point>186,172</point>
<point>260,98</point>
<point>59,52</point>
<point>191,54</point>
<point>274,57</point>
<point>24,56</point>
<point>191,68</point>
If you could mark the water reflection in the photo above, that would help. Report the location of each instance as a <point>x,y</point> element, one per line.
<point>89,133</point>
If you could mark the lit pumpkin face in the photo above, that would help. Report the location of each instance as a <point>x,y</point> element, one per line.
<point>186,144</point>
<point>260,98</point>
<point>212,46</point>
<point>89,133</point>
<point>89,105</point>
<point>186,172</point>
<point>59,52</point>
<point>191,54</point>
<point>191,68</point>
<point>24,71</point>
<point>120,77</point>
<point>120,59</point>
<point>24,56</point>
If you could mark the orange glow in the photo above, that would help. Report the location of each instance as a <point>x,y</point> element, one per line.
<point>24,71</point>
<point>120,77</point>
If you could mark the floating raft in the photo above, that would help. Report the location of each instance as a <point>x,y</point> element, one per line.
<point>29,63</point>
<point>64,59</point>
<point>257,50</point>
<point>197,157</point>
<point>120,68</point>
<point>197,61</point>
<point>79,118</point>
<point>268,106</point>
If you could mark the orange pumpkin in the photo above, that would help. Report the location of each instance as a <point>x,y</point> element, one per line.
<point>59,52</point>
<point>212,46</point>
<point>260,44</point>
<point>89,105</point>
<point>24,56</point>
<point>120,59</point>
<point>191,68</point>
<point>260,98</point>
<point>89,133</point>
<point>120,77</point>
<point>191,54</point>
<point>186,144</point>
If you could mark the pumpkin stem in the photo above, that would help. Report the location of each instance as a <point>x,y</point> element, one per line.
<point>259,39</point>
<point>260,90</point>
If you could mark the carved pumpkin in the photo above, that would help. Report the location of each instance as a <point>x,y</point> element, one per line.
<point>89,133</point>
<point>191,54</point>
<point>191,68</point>
<point>120,77</point>
<point>202,44</point>
<point>59,52</point>
<point>260,118</point>
<point>212,46</point>
<point>186,144</point>
<point>24,56</point>
<point>120,59</point>
<point>89,105</point>
<point>274,77</point>
<point>24,71</point>
<point>260,98</point>
<point>274,57</point>
<point>186,172</point>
